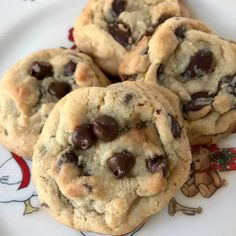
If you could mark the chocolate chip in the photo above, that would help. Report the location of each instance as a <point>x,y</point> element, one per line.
<point>85,173</point>
<point>121,163</point>
<point>180,32</point>
<point>227,79</point>
<point>175,127</point>
<point>232,89</point>
<point>198,101</point>
<point>144,51</point>
<point>128,98</point>
<point>44,204</point>
<point>201,63</point>
<point>128,77</point>
<point>5,132</point>
<point>41,70</point>
<point>157,164</point>
<point>161,20</point>
<point>120,33</point>
<point>161,73</point>
<point>59,89</point>
<point>141,125</point>
<point>225,82</point>
<point>192,166</point>
<point>150,31</point>
<point>105,128</point>
<point>118,6</point>
<point>43,150</point>
<point>69,69</point>
<point>67,157</point>
<point>83,137</point>
<point>88,187</point>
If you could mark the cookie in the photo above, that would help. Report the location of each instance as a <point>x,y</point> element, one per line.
<point>109,158</point>
<point>186,57</point>
<point>107,29</point>
<point>30,89</point>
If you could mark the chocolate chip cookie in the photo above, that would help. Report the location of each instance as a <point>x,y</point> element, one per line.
<point>108,158</point>
<point>107,29</point>
<point>30,89</point>
<point>184,56</point>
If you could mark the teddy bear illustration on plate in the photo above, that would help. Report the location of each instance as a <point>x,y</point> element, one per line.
<point>202,179</point>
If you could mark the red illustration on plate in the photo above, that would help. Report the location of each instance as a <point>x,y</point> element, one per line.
<point>71,38</point>
<point>205,178</point>
<point>15,181</point>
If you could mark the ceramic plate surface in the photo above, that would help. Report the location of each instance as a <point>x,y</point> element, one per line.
<point>30,25</point>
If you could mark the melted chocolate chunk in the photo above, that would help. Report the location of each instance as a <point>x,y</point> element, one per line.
<point>83,137</point>
<point>121,33</point>
<point>88,187</point>
<point>161,20</point>
<point>198,101</point>
<point>128,77</point>
<point>175,127</point>
<point>201,63</point>
<point>70,68</point>
<point>158,112</point>
<point>161,73</point>
<point>128,98</point>
<point>180,32</point>
<point>157,164</point>
<point>225,82</point>
<point>59,89</point>
<point>44,204</point>
<point>201,94</point>
<point>118,6</point>
<point>41,70</point>
<point>233,90</point>
<point>121,163</point>
<point>227,79</point>
<point>105,128</point>
<point>67,157</point>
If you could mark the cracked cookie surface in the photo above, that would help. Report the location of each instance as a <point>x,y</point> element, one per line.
<point>109,158</point>
<point>107,29</point>
<point>30,89</point>
<point>186,57</point>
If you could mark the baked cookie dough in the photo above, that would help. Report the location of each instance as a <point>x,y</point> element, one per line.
<point>109,158</point>
<point>30,89</point>
<point>197,65</point>
<point>107,29</point>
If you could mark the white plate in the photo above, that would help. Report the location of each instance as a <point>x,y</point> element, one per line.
<point>29,25</point>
